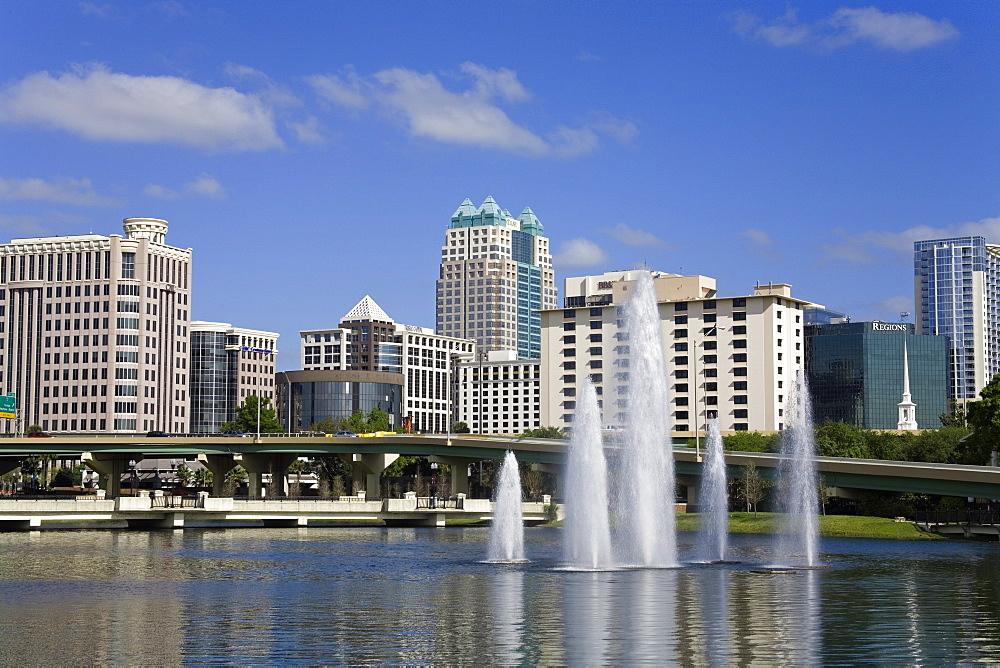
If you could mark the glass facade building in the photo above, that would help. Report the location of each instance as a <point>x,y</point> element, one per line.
<point>496,275</point>
<point>855,373</point>
<point>308,397</point>
<point>957,292</point>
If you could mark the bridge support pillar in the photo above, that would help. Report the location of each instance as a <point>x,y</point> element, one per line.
<point>459,472</point>
<point>275,464</point>
<point>690,482</point>
<point>366,470</point>
<point>110,467</point>
<point>220,466</point>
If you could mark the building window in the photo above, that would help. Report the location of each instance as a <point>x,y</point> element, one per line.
<point>711,359</point>
<point>681,401</point>
<point>128,265</point>
<point>741,426</point>
<point>711,373</point>
<point>740,357</point>
<point>740,343</point>
<point>680,333</point>
<point>741,413</point>
<point>708,304</point>
<point>680,319</point>
<point>680,306</point>
<point>739,315</point>
<point>740,371</point>
<point>740,301</point>
<point>740,399</point>
<point>681,360</point>
<point>739,329</point>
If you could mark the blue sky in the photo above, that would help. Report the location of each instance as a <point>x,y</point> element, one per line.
<point>313,152</point>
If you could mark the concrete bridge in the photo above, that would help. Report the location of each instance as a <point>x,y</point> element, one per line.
<point>162,511</point>
<point>369,456</point>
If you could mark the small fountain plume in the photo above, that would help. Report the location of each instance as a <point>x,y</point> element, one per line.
<point>587,536</point>
<point>506,542</point>
<point>798,495</point>
<point>713,499</point>
<point>645,503</point>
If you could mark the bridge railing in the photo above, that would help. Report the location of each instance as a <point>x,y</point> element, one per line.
<point>979,517</point>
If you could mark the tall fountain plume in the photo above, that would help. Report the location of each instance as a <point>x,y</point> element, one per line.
<point>713,499</point>
<point>797,489</point>
<point>587,538</point>
<point>507,528</point>
<point>645,501</point>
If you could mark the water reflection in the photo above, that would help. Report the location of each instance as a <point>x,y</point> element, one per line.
<point>372,596</point>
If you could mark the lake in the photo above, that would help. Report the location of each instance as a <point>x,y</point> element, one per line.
<point>345,595</point>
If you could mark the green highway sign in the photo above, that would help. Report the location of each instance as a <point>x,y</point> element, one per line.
<point>8,405</point>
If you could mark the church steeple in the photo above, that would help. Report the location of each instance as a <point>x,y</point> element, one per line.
<point>907,409</point>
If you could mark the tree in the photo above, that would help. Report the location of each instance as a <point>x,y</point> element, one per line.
<point>234,478</point>
<point>984,418</point>
<point>378,420</point>
<point>184,475</point>
<point>752,441</point>
<point>33,429</point>
<point>955,417</point>
<point>936,445</point>
<point>203,477</point>
<point>246,417</point>
<point>839,439</point>
<point>544,432</point>
<point>460,428</point>
<point>751,487</point>
<point>327,425</point>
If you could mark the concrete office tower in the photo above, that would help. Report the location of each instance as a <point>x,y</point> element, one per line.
<point>957,294</point>
<point>496,273</point>
<point>227,364</point>
<point>95,330</point>
<point>368,340</point>
<point>731,358</point>
<point>497,393</point>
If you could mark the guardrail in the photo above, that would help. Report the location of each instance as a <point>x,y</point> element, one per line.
<point>979,517</point>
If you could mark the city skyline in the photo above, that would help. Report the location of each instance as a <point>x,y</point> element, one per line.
<point>310,156</point>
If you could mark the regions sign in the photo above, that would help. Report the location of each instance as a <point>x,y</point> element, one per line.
<point>8,405</point>
<point>889,326</point>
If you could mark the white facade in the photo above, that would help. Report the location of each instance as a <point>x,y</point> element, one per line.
<point>94,330</point>
<point>369,340</point>
<point>499,394</point>
<point>734,357</point>
<point>496,273</point>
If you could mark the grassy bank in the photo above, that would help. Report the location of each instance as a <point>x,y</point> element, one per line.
<point>842,526</point>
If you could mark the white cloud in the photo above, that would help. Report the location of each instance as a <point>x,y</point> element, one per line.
<point>636,237</point>
<point>346,90</point>
<point>874,246</point>
<point>204,186</point>
<point>98,104</point>
<point>900,31</point>
<point>271,92</point>
<point>309,131</point>
<point>90,9</point>
<point>79,192</point>
<point>760,243</point>
<point>470,117</point>
<point>588,57</point>
<point>893,306</point>
<point>170,8</point>
<point>580,253</point>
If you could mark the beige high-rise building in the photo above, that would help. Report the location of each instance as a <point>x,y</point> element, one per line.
<point>496,274</point>
<point>94,331</point>
<point>734,358</point>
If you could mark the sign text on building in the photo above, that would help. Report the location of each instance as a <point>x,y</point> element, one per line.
<point>889,326</point>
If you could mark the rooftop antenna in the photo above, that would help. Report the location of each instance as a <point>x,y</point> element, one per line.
<point>903,315</point>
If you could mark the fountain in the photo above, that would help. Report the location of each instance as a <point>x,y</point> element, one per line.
<point>645,501</point>
<point>587,536</point>
<point>797,489</point>
<point>506,544</point>
<point>713,499</point>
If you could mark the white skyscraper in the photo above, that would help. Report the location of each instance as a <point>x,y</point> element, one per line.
<point>94,330</point>
<point>496,274</point>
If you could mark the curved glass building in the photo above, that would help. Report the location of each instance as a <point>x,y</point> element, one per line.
<point>307,397</point>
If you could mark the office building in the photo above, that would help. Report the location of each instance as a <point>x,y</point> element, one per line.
<point>94,331</point>
<point>728,357</point>
<point>227,364</point>
<point>860,372</point>
<point>496,274</point>
<point>957,295</point>
<point>499,394</point>
<point>368,340</point>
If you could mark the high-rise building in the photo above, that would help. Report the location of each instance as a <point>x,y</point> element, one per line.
<point>499,394</point>
<point>859,371</point>
<point>957,294</point>
<point>496,274</point>
<point>734,358</point>
<point>368,340</point>
<point>94,331</point>
<point>227,364</point>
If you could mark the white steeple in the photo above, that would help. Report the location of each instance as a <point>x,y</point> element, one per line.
<point>907,409</point>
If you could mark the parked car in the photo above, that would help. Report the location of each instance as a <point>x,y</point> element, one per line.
<point>233,432</point>
<point>40,434</point>
<point>157,434</point>
<point>345,433</point>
